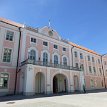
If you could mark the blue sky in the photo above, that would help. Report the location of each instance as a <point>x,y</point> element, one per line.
<point>83,22</point>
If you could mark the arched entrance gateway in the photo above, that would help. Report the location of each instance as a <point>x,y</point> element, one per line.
<point>39,83</point>
<point>60,83</point>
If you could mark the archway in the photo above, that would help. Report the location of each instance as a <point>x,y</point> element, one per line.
<point>76,83</point>
<point>39,83</point>
<point>60,83</point>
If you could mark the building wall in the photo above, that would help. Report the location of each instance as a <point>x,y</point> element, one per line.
<point>104,58</point>
<point>8,67</point>
<point>29,87</point>
<point>93,80</point>
<point>97,76</point>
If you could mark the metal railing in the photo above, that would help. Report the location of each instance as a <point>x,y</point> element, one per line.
<point>46,64</point>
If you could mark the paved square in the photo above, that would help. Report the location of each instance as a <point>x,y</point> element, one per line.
<point>74,100</point>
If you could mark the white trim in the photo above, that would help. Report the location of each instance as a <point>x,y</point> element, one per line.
<point>32,43</point>
<point>11,55</point>
<point>53,57</point>
<point>5,72</point>
<point>47,53</point>
<point>33,48</point>
<point>66,58</point>
<point>14,33</point>
<point>8,67</point>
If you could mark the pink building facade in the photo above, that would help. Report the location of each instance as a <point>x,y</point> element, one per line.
<point>38,61</point>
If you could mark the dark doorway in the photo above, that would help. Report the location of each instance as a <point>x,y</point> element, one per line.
<point>59,84</point>
<point>55,85</point>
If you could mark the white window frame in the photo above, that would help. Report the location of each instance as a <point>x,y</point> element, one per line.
<point>8,80</point>
<point>6,35</point>
<point>11,55</point>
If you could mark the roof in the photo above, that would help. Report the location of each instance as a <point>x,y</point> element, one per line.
<point>83,48</point>
<point>73,44</point>
<point>11,22</point>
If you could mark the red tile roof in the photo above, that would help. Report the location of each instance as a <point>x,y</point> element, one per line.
<point>11,22</point>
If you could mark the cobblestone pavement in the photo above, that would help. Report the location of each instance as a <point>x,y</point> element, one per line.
<point>73,100</point>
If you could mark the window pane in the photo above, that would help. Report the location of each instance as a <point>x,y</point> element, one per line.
<point>9,35</point>
<point>75,54</point>
<point>45,43</point>
<point>64,49</point>
<point>55,46</point>
<point>7,55</point>
<point>45,58</point>
<point>4,80</point>
<point>32,55</point>
<point>64,61</point>
<point>55,59</point>
<point>33,40</point>
<point>88,58</point>
<point>81,56</point>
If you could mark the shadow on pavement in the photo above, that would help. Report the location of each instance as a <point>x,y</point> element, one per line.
<point>12,98</point>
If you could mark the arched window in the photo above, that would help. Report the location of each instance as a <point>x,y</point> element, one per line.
<point>32,55</point>
<point>65,61</point>
<point>45,58</point>
<point>55,59</point>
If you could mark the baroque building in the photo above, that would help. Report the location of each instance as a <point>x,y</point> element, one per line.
<point>38,61</point>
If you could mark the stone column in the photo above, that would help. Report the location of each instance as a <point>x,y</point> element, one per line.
<point>48,82</point>
<point>29,80</point>
<point>82,82</point>
<point>71,82</point>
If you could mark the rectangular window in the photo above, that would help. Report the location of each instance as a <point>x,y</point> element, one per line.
<point>64,49</point>
<point>100,71</point>
<point>94,69</point>
<point>4,80</point>
<point>45,43</point>
<point>33,40</point>
<point>82,67</point>
<point>76,65</point>
<point>7,55</point>
<point>9,35</point>
<point>81,56</point>
<point>55,46</point>
<point>75,53</point>
<point>90,70</point>
<point>88,58</point>
<point>92,59</point>
<point>99,61</point>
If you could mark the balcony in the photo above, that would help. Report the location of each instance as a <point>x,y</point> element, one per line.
<point>40,63</point>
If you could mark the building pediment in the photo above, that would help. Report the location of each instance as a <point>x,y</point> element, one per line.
<point>47,31</point>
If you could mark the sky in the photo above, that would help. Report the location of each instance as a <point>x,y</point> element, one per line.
<point>83,22</point>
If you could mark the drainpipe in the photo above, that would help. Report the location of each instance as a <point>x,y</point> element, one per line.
<point>103,70</point>
<point>17,61</point>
